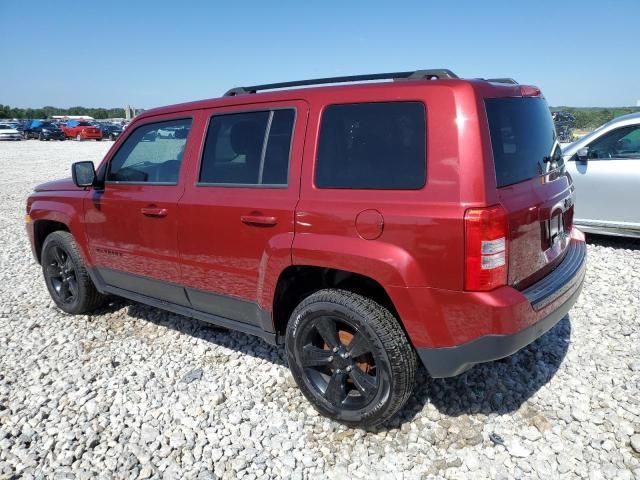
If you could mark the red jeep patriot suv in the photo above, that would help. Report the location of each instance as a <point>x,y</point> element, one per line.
<point>363,226</point>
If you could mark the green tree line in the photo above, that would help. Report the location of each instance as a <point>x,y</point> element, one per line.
<point>45,112</point>
<point>588,118</point>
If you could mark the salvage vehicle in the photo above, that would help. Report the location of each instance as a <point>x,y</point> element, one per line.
<point>82,130</point>
<point>9,132</point>
<point>605,166</point>
<point>564,123</point>
<point>110,131</point>
<point>365,227</point>
<point>42,130</point>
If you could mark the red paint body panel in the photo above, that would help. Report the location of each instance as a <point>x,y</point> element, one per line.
<point>65,184</point>
<point>62,206</point>
<point>416,245</point>
<point>446,318</point>
<point>219,252</point>
<point>121,237</point>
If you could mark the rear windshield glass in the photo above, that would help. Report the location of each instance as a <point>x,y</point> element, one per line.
<point>522,138</point>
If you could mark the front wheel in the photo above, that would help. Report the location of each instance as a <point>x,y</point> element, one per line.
<point>66,276</point>
<point>350,357</point>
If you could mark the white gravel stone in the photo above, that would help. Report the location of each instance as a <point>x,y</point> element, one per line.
<point>516,449</point>
<point>136,392</point>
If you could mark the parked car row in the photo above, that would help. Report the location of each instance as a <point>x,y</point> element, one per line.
<point>57,130</point>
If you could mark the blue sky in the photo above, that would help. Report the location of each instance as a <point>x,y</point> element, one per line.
<point>113,53</point>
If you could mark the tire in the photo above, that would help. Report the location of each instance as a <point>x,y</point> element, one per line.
<point>98,139</point>
<point>40,137</point>
<point>362,390</point>
<point>78,137</point>
<point>112,137</point>
<point>66,276</point>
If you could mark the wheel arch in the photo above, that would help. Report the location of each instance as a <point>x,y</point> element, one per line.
<point>41,230</point>
<point>50,214</point>
<point>297,282</point>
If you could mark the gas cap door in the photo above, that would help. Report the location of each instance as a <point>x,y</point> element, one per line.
<point>369,224</point>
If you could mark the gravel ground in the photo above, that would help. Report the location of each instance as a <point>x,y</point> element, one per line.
<point>135,392</point>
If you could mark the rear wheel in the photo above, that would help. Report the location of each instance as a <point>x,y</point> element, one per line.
<point>66,276</point>
<point>350,357</point>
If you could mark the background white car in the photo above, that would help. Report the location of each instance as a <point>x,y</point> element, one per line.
<point>8,132</point>
<point>605,166</point>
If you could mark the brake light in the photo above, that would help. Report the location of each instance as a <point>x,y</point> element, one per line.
<point>529,91</point>
<point>485,248</point>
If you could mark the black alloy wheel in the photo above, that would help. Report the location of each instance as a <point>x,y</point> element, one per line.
<point>60,275</point>
<point>350,357</point>
<point>338,361</point>
<point>66,276</point>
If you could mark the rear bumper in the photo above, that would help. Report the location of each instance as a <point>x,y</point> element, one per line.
<point>539,307</point>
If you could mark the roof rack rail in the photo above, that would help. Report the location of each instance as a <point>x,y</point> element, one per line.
<point>501,80</point>
<point>437,74</point>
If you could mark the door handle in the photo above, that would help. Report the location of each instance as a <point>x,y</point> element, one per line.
<point>259,220</point>
<point>154,211</point>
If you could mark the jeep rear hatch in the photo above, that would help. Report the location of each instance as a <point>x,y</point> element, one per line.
<point>533,187</point>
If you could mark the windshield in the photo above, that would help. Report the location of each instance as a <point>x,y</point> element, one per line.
<point>523,138</point>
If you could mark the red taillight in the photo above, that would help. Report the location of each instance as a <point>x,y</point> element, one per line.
<point>529,91</point>
<point>486,239</point>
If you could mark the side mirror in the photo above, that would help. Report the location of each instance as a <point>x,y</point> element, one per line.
<point>83,174</point>
<point>583,154</point>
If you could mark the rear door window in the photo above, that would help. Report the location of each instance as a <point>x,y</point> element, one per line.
<point>372,146</point>
<point>248,149</point>
<point>523,138</point>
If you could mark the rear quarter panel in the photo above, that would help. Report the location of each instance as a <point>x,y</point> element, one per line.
<point>422,241</point>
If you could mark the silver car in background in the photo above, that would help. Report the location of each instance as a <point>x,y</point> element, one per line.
<point>9,132</point>
<point>605,166</point>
